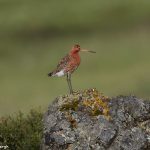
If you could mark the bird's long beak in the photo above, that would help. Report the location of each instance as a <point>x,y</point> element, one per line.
<point>85,50</point>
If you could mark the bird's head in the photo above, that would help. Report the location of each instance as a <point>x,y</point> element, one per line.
<point>76,48</point>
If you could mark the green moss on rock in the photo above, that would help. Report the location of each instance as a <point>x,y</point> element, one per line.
<point>90,101</point>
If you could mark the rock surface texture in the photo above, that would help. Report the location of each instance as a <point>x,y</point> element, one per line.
<point>87,120</point>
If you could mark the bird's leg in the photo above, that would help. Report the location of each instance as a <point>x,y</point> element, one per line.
<point>69,83</point>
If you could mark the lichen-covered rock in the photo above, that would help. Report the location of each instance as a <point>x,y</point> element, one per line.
<point>87,120</point>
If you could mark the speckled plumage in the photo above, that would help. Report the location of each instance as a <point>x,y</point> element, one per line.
<point>67,64</point>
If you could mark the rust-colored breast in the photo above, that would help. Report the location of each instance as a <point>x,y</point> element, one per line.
<point>73,63</point>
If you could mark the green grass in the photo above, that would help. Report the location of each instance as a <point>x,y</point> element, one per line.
<point>35,35</point>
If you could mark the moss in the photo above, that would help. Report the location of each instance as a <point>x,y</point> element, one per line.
<point>96,103</point>
<point>72,121</point>
<point>89,101</point>
<point>73,105</point>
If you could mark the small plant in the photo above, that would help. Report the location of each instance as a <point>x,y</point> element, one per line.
<point>22,132</point>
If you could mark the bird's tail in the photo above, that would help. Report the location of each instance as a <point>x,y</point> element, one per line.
<point>50,74</point>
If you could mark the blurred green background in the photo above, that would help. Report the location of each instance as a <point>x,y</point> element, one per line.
<point>35,34</point>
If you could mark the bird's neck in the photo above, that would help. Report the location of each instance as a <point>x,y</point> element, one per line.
<point>76,57</point>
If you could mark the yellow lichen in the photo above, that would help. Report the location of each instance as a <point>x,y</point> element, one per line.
<point>89,101</point>
<point>97,103</point>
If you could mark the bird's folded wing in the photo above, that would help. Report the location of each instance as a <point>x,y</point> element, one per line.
<point>63,63</point>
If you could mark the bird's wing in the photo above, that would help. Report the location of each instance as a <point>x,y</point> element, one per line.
<point>63,63</point>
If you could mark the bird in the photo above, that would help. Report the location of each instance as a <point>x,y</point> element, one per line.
<point>69,64</point>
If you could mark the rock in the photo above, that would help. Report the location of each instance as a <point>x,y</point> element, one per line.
<point>87,120</point>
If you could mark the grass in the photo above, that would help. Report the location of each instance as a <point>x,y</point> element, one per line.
<point>35,35</point>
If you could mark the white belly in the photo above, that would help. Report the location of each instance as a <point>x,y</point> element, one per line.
<point>60,73</point>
